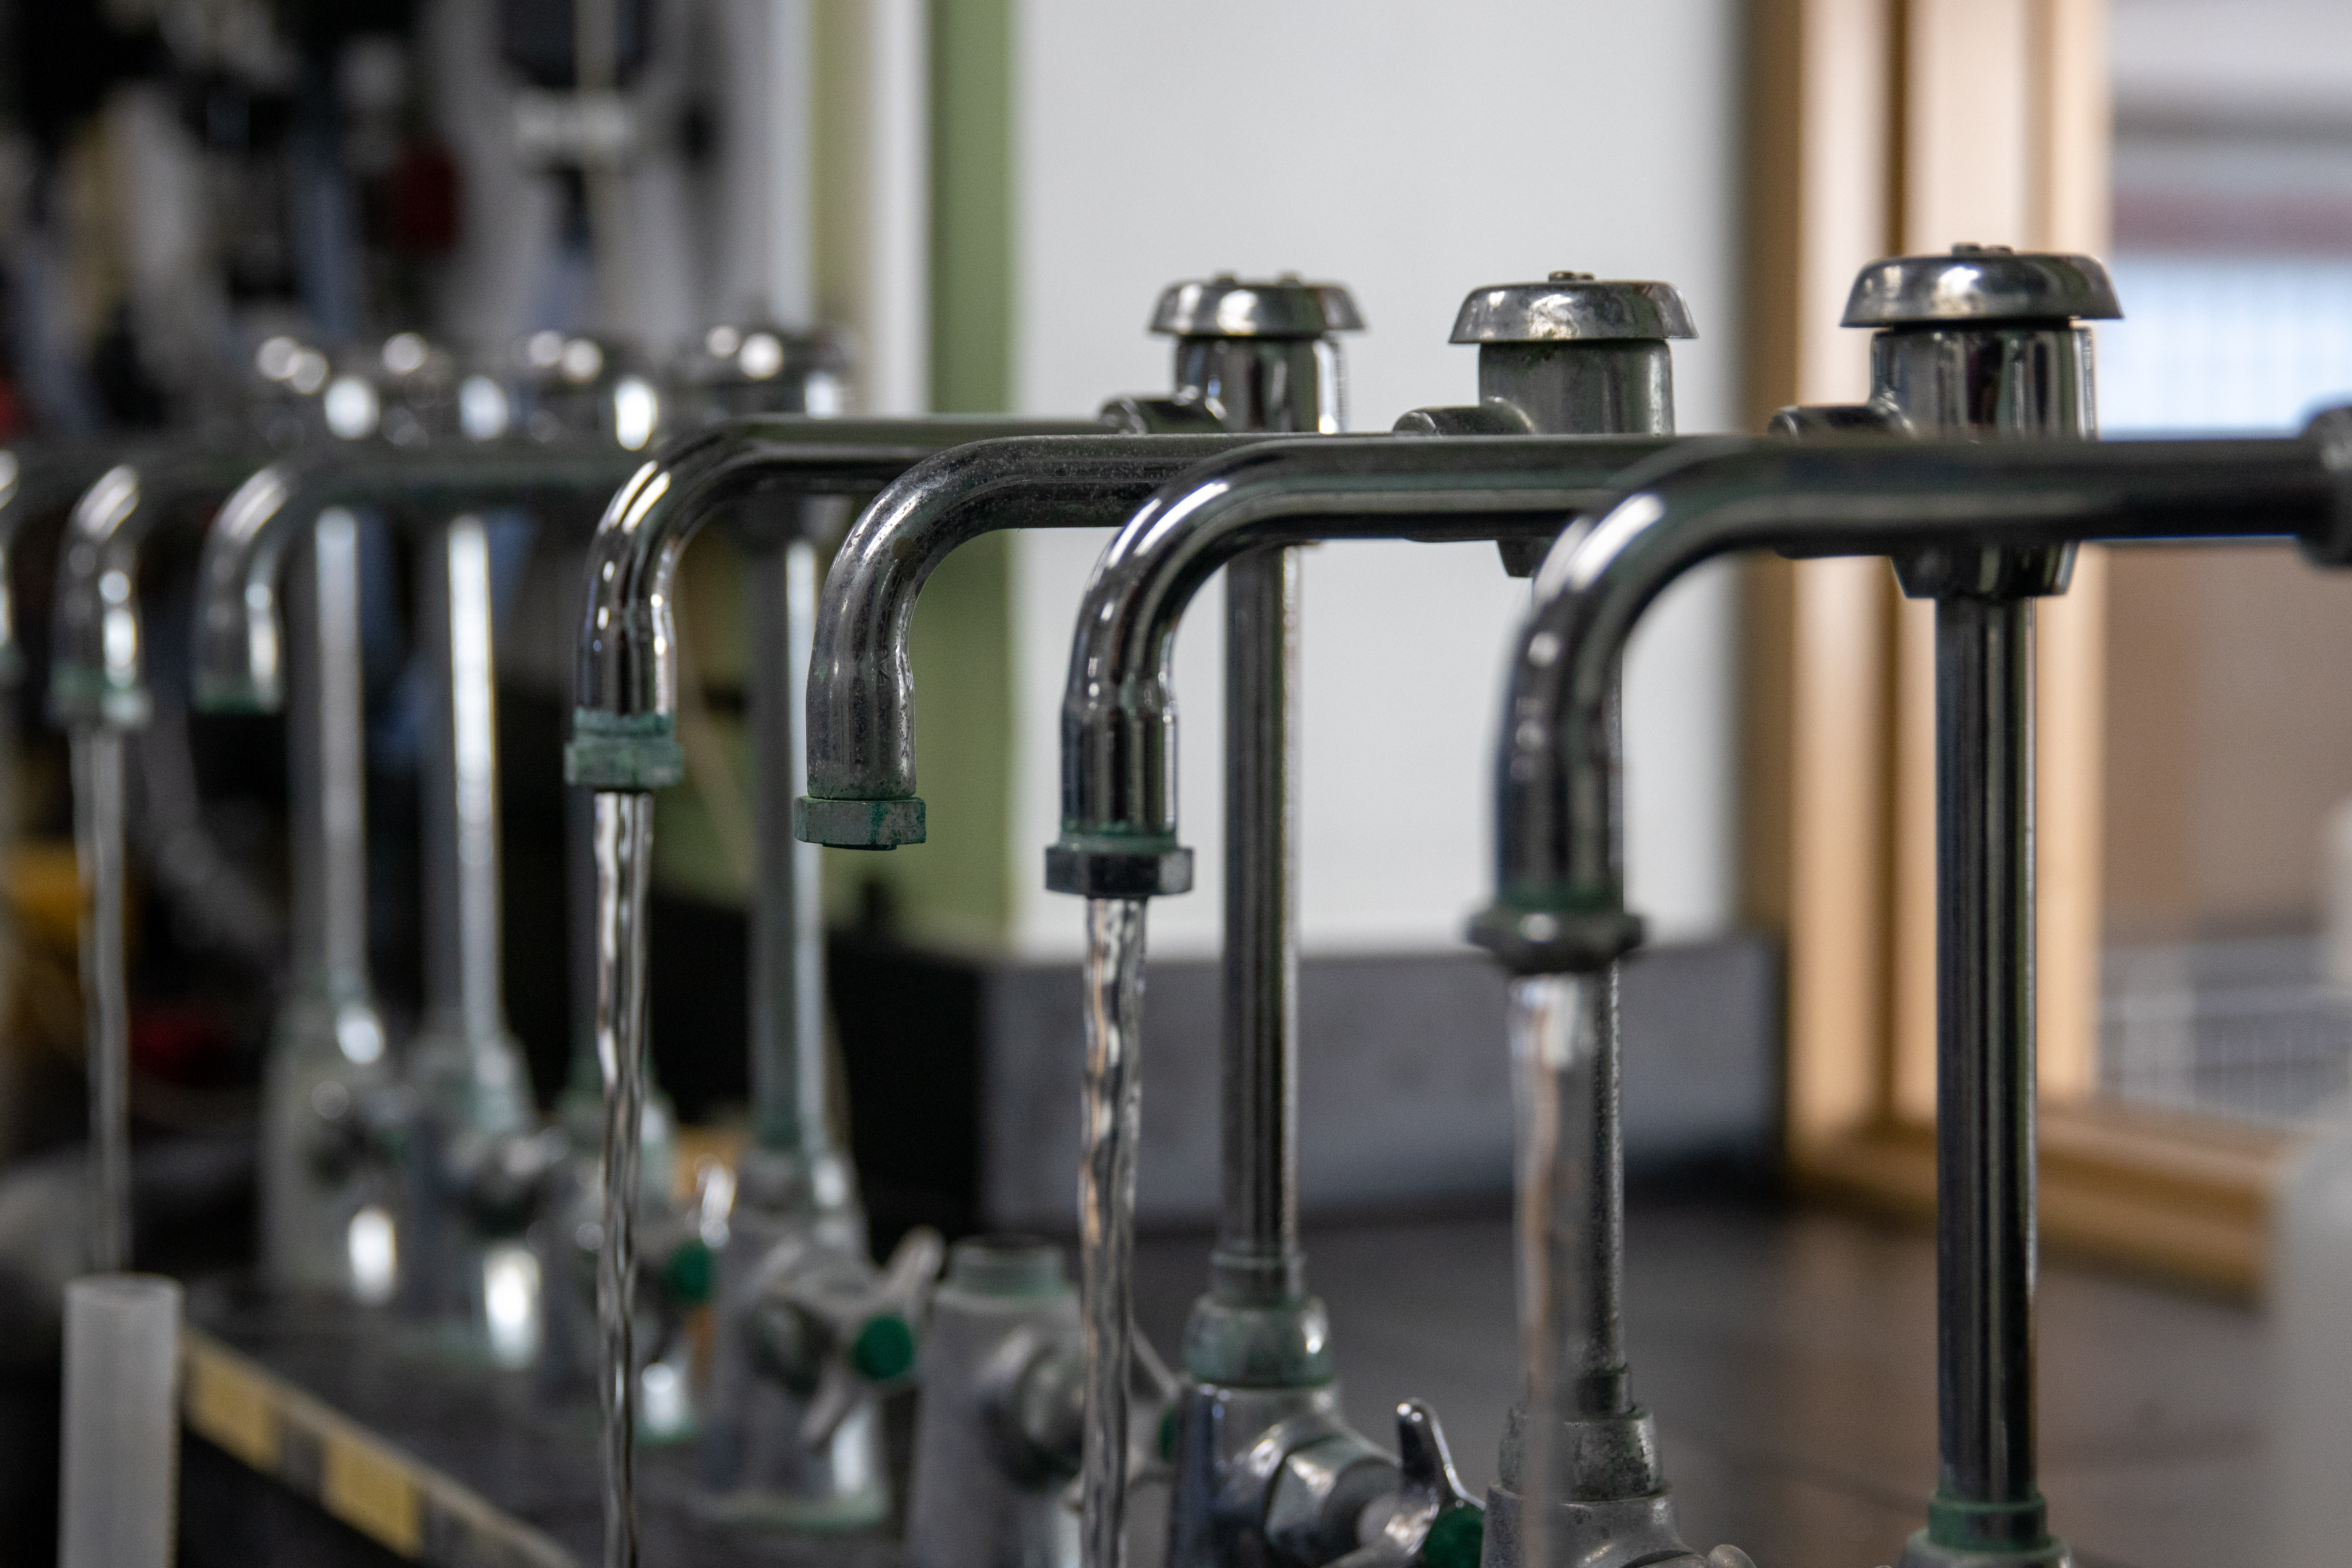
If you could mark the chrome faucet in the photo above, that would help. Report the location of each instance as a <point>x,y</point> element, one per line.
<point>1264,1464</point>
<point>1251,357</point>
<point>797,1296</point>
<point>1333,1490</point>
<point>98,692</point>
<point>1983,344</point>
<point>328,1027</point>
<point>37,480</point>
<point>1559,920</point>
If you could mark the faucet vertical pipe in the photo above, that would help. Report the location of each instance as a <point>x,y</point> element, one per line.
<point>1984,1084</point>
<point>97,849</point>
<point>461,869</point>
<point>789,1063</point>
<point>1257,1257</point>
<point>305,1244</point>
<point>328,723</point>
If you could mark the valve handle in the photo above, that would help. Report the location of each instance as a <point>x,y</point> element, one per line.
<point>872,1331</point>
<point>1457,1531</point>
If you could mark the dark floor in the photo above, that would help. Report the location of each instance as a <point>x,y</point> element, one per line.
<point>1790,1359</point>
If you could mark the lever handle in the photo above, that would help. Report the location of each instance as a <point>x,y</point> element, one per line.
<point>870,1331</point>
<point>1455,1533</point>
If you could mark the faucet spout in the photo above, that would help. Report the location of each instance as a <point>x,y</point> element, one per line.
<point>98,671</point>
<point>1560,897</point>
<point>239,655</point>
<point>1119,803</point>
<point>627,690</point>
<point>861,707</point>
<point>35,480</point>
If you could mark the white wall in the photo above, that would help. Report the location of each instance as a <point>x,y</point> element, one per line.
<point>1412,152</point>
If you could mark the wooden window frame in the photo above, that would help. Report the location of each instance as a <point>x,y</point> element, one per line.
<point>1881,127</point>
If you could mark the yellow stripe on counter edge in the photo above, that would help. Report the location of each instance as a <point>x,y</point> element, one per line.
<point>257,1418</point>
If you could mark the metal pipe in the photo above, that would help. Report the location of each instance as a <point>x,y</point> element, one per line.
<point>788,1002</point>
<point>1985,1100</point>
<point>34,480</point>
<point>328,779</point>
<point>461,862</point>
<point>329,1031</point>
<point>1257,1258</point>
<point>1560,905</point>
<point>1126,625</point>
<point>1984,343</point>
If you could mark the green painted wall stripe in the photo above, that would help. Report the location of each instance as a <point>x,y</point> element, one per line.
<point>957,886</point>
<point>971,206</point>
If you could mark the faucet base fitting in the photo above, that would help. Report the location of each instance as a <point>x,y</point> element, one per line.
<point>859,823</point>
<point>998,1429</point>
<point>1529,941</point>
<point>757,1469</point>
<point>1274,1345</point>
<point>1615,1535</point>
<point>1920,1551</point>
<point>1093,871</point>
<point>1269,1475</point>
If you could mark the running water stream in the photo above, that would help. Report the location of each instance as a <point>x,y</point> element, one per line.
<point>1112,1121</point>
<point>98,848</point>
<point>624,864</point>
<point>1567,1200</point>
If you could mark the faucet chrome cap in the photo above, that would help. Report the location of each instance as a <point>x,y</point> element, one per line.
<point>587,388</point>
<point>1982,283</point>
<point>1227,307</point>
<point>1572,306</point>
<point>757,354</point>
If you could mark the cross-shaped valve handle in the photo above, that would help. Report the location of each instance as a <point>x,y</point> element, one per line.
<point>864,1331</point>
